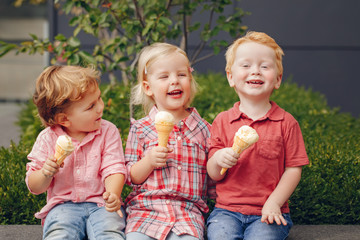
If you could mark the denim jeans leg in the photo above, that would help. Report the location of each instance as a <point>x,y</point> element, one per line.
<point>65,221</point>
<point>138,236</point>
<point>102,224</point>
<point>257,230</point>
<point>223,224</point>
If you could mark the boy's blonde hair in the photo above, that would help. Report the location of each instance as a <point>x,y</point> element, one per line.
<point>58,86</point>
<point>258,37</point>
<point>148,56</point>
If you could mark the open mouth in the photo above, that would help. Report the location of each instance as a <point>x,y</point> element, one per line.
<point>256,82</point>
<point>175,93</point>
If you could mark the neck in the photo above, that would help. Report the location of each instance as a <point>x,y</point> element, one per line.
<point>254,109</point>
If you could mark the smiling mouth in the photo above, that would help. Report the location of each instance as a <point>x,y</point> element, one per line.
<point>257,82</point>
<point>175,93</point>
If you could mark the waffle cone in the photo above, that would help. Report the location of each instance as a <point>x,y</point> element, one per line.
<point>60,154</point>
<point>164,131</point>
<point>238,146</point>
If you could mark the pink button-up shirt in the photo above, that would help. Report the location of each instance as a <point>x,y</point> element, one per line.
<point>98,156</point>
<point>172,198</point>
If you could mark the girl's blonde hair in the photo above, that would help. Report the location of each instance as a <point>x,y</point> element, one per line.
<point>148,56</point>
<point>258,37</point>
<point>59,86</point>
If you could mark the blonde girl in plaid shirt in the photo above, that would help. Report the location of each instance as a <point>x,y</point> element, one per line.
<point>170,183</point>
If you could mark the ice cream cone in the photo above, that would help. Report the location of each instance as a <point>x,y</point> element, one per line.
<point>244,138</point>
<point>63,148</point>
<point>164,131</point>
<point>164,124</point>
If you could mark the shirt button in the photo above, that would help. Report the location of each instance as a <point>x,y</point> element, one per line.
<point>181,123</point>
<point>179,138</point>
<point>179,167</point>
<point>78,171</point>
<point>167,201</point>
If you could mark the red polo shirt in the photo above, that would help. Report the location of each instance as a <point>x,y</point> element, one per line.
<point>247,185</point>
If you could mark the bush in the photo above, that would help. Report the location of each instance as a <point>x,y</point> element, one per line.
<point>328,193</point>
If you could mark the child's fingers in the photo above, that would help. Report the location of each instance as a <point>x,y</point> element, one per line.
<point>120,213</point>
<point>282,220</point>
<point>264,219</point>
<point>106,196</point>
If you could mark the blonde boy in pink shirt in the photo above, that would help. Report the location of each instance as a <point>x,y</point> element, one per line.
<point>83,194</point>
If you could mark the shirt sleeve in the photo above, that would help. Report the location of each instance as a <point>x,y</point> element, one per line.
<point>133,150</point>
<point>216,142</point>
<point>40,152</point>
<point>295,154</point>
<point>113,160</point>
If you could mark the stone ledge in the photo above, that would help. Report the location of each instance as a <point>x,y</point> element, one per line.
<point>298,232</point>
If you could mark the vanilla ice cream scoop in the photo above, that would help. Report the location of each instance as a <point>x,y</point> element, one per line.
<point>164,117</point>
<point>247,134</point>
<point>64,147</point>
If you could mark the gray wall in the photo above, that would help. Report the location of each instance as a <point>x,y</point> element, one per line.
<point>320,39</point>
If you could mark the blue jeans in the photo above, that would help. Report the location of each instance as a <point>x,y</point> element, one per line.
<point>170,236</point>
<point>224,224</point>
<point>78,220</point>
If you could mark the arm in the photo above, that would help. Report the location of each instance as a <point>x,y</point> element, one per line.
<point>113,187</point>
<point>272,208</point>
<point>40,180</point>
<point>223,158</point>
<point>155,158</point>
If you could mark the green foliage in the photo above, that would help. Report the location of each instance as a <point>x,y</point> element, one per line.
<point>17,204</point>
<point>121,28</point>
<point>328,192</point>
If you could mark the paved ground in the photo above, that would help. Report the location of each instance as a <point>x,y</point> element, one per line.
<point>308,232</point>
<point>9,131</point>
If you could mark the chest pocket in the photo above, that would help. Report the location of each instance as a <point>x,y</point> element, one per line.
<point>270,147</point>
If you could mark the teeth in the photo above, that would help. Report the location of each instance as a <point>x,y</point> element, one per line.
<point>256,82</point>
<point>174,92</point>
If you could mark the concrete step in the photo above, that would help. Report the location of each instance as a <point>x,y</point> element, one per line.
<point>298,232</point>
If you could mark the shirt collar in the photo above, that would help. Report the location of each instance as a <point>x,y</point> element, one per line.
<point>190,121</point>
<point>275,113</point>
<point>60,131</point>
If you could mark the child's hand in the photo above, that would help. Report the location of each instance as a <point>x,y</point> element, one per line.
<point>50,167</point>
<point>112,203</point>
<point>226,157</point>
<point>271,213</point>
<point>158,156</point>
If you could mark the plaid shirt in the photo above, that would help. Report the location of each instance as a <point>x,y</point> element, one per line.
<point>172,198</point>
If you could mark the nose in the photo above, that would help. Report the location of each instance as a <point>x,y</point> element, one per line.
<point>100,106</point>
<point>174,79</point>
<point>255,70</point>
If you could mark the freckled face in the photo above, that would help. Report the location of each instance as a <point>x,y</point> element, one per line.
<point>254,73</point>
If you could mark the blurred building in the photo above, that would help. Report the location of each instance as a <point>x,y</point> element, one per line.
<point>18,72</point>
<point>320,40</point>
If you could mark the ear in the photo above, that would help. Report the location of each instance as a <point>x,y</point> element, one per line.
<point>230,79</point>
<point>147,88</point>
<point>61,119</point>
<point>278,81</point>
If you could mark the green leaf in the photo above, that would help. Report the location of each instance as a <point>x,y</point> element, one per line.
<point>4,49</point>
<point>87,57</point>
<point>73,42</point>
